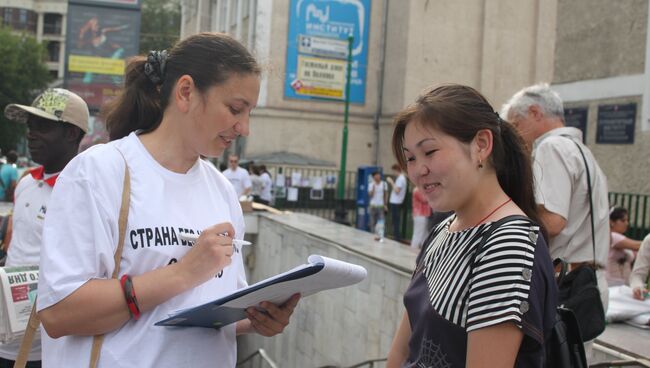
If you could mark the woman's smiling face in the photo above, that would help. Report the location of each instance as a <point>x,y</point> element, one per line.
<point>440,165</point>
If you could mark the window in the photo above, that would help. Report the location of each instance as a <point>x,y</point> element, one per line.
<point>52,23</point>
<point>19,19</point>
<point>8,14</point>
<point>53,51</point>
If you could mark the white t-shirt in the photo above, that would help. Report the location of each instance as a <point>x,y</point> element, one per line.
<point>377,198</point>
<point>398,198</point>
<point>239,178</point>
<point>561,186</point>
<point>80,238</point>
<point>267,183</point>
<point>31,200</point>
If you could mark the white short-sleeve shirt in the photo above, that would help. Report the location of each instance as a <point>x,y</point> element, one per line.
<point>561,186</point>
<point>239,178</point>
<point>398,198</point>
<point>378,190</point>
<point>30,207</point>
<point>81,235</point>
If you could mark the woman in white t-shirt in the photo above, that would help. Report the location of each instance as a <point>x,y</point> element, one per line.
<point>192,101</point>
<point>622,249</point>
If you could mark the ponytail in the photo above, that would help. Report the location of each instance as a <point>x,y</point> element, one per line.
<point>209,58</point>
<point>137,107</point>
<point>513,166</point>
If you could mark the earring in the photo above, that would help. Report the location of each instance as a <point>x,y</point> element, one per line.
<point>480,163</point>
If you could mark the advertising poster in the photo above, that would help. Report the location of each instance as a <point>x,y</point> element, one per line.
<point>317,49</point>
<point>99,41</point>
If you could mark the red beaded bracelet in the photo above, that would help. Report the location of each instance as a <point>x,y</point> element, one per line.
<point>129,295</point>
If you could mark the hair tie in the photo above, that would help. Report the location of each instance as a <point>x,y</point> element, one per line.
<point>154,68</point>
<point>499,122</point>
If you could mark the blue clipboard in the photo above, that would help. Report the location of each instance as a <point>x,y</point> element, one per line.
<point>215,315</point>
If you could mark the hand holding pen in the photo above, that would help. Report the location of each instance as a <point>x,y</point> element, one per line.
<point>211,253</point>
<point>236,243</point>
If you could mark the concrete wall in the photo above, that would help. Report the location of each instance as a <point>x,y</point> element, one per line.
<point>497,46</point>
<point>600,38</point>
<point>335,327</point>
<point>625,165</point>
<point>599,44</point>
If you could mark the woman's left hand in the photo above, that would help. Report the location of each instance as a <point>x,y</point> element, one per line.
<point>274,319</point>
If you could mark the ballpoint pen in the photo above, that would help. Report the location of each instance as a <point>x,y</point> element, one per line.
<point>194,237</point>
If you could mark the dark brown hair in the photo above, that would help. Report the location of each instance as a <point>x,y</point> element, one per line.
<point>617,213</point>
<point>461,112</point>
<point>209,58</point>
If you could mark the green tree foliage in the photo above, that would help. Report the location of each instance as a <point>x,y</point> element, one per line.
<point>23,75</point>
<point>160,25</point>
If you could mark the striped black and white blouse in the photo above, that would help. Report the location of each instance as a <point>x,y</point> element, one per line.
<point>456,290</point>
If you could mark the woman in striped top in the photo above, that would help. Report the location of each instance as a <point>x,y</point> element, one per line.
<point>483,293</point>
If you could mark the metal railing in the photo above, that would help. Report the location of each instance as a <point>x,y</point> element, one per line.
<point>638,206</point>
<point>312,190</point>
<point>302,197</point>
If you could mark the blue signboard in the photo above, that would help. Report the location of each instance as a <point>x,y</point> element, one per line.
<point>317,49</point>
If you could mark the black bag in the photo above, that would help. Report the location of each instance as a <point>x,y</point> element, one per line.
<point>578,291</point>
<point>564,347</point>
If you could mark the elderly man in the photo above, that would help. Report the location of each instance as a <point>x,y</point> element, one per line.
<point>56,122</point>
<point>561,190</point>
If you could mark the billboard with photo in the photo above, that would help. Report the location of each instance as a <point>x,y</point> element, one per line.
<point>109,3</point>
<point>99,40</point>
<point>317,49</point>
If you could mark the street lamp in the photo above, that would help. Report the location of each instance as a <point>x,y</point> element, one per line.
<point>340,214</point>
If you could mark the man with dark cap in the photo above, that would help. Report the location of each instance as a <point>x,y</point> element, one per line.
<point>57,120</point>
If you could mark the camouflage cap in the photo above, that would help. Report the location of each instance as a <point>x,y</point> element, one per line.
<point>55,104</point>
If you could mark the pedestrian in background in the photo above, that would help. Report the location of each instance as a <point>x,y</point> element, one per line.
<point>421,213</point>
<point>238,177</point>
<point>640,276</point>
<point>396,199</point>
<point>561,191</point>
<point>378,194</point>
<point>8,177</point>
<point>465,306</point>
<point>176,106</point>
<point>267,185</point>
<point>56,123</point>
<point>622,249</point>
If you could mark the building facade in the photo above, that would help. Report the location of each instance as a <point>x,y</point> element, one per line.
<point>594,55</point>
<point>46,21</point>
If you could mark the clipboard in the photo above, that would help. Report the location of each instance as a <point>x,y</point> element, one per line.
<point>320,273</point>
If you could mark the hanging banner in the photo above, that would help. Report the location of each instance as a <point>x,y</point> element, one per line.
<point>318,33</point>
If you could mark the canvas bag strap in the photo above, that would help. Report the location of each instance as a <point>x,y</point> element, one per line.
<point>34,321</point>
<point>26,343</point>
<point>122,222</point>
<point>591,204</point>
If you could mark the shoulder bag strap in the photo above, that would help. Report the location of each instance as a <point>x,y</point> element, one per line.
<point>591,205</point>
<point>34,321</point>
<point>124,214</point>
<point>26,343</point>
